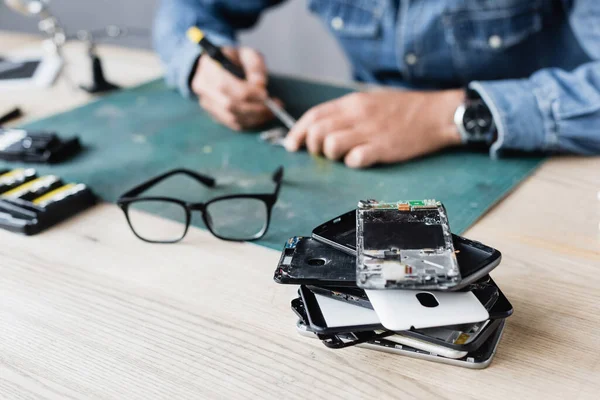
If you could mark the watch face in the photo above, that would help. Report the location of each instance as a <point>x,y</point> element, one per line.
<point>477,119</point>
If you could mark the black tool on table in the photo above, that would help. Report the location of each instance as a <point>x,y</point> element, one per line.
<point>99,82</point>
<point>36,146</point>
<point>10,115</point>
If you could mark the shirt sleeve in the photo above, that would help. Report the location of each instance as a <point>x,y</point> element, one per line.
<point>553,111</point>
<point>219,19</point>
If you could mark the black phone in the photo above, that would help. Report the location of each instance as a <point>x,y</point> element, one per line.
<point>306,261</point>
<point>490,295</point>
<point>332,341</point>
<point>475,259</point>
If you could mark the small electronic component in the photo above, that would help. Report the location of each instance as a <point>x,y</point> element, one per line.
<point>274,136</point>
<point>406,244</point>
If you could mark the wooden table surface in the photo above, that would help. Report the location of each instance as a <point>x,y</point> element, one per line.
<point>88,311</point>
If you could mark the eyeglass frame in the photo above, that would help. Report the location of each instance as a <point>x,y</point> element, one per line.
<point>132,196</point>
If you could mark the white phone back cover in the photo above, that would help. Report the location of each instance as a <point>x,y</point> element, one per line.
<point>400,310</point>
<point>338,313</point>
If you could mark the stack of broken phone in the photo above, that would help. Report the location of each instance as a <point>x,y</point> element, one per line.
<point>392,277</point>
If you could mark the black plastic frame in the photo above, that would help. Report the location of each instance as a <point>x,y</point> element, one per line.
<point>131,197</point>
<point>305,248</point>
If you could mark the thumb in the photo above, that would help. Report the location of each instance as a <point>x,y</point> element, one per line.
<point>254,66</point>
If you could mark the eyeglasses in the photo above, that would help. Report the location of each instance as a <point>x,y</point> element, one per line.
<point>239,217</point>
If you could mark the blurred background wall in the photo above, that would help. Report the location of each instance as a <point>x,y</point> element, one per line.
<point>293,41</point>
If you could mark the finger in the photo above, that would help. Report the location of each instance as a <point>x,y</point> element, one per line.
<point>209,72</point>
<point>339,143</point>
<point>254,116</point>
<point>362,156</point>
<point>254,66</point>
<point>241,90</point>
<point>212,94</point>
<point>223,116</point>
<point>251,109</point>
<point>318,132</point>
<point>215,78</point>
<point>236,106</point>
<point>239,116</point>
<point>297,135</point>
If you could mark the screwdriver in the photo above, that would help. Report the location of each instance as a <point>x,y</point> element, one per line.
<point>196,35</point>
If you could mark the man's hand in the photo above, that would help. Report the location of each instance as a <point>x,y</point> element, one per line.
<point>235,103</point>
<point>384,126</point>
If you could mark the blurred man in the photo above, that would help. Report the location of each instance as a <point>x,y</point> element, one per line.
<point>506,74</point>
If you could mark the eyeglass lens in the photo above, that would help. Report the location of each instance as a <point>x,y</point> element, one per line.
<point>146,227</point>
<point>238,218</point>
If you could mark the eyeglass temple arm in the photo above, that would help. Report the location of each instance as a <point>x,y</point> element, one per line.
<point>277,178</point>
<point>203,179</point>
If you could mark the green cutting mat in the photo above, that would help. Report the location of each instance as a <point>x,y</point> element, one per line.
<point>135,134</point>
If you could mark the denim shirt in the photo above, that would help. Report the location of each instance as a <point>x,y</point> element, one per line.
<point>534,62</point>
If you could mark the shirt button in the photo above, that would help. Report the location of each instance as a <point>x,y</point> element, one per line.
<point>411,59</point>
<point>337,23</point>
<point>495,41</point>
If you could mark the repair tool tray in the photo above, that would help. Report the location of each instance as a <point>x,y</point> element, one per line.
<point>30,203</point>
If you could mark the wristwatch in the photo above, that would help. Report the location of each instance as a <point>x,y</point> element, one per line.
<point>474,120</point>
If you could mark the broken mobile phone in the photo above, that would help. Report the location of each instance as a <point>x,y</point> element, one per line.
<point>331,336</point>
<point>477,359</point>
<point>485,289</point>
<point>306,261</point>
<point>328,315</point>
<point>332,341</point>
<point>314,261</point>
<point>475,259</point>
<point>405,245</point>
<point>462,337</point>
